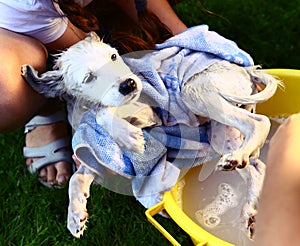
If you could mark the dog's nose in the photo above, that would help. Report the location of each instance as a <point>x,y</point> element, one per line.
<point>129,85</point>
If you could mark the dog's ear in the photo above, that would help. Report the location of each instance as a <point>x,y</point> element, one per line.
<point>92,36</point>
<point>49,84</point>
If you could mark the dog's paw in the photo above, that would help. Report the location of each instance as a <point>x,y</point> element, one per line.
<point>248,219</point>
<point>138,141</point>
<point>131,139</point>
<point>77,217</point>
<point>77,222</point>
<point>255,172</point>
<point>251,227</point>
<point>232,161</point>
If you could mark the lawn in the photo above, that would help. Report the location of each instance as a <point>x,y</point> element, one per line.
<point>33,215</point>
<point>268,30</point>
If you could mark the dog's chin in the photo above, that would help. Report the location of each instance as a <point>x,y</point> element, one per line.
<point>111,101</point>
<point>132,97</point>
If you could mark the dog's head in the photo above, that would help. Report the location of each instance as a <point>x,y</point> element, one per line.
<point>91,71</point>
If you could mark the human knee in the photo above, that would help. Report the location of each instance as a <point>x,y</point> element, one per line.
<point>19,49</point>
<point>18,102</point>
<point>15,110</point>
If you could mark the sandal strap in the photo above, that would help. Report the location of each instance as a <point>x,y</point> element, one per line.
<point>48,154</point>
<point>39,120</point>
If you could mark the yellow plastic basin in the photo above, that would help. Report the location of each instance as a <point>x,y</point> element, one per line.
<point>282,104</point>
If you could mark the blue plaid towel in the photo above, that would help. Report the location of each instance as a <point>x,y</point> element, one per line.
<point>179,142</point>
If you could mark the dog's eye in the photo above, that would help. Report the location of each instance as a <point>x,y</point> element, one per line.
<point>89,78</point>
<point>113,57</point>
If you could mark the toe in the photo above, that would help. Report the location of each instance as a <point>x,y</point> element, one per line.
<point>28,162</point>
<point>56,174</point>
<point>51,174</point>
<point>43,174</point>
<point>63,172</point>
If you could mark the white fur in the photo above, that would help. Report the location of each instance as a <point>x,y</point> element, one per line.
<point>92,59</point>
<point>93,71</point>
<point>217,93</point>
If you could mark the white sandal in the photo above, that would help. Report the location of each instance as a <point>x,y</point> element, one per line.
<point>50,153</point>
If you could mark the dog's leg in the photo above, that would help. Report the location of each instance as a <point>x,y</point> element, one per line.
<point>124,133</point>
<point>254,128</point>
<point>225,139</point>
<point>203,99</point>
<point>79,191</point>
<point>41,84</point>
<point>254,174</point>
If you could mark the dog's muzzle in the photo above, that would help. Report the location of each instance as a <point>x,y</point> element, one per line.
<point>128,86</point>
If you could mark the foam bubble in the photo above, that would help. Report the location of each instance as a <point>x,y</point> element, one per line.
<point>225,199</point>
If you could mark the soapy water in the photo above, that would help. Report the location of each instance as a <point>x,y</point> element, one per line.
<point>226,199</point>
<point>216,203</point>
<point>215,200</point>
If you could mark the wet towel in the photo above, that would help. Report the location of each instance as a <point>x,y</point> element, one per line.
<point>165,70</point>
<point>174,144</point>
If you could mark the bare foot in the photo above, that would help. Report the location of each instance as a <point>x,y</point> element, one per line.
<point>56,173</point>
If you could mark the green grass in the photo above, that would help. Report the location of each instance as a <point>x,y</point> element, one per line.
<point>268,30</point>
<point>33,215</point>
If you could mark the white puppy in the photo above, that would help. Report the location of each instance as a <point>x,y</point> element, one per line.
<point>93,72</point>
<point>224,92</point>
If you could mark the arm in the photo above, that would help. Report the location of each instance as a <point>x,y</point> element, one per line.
<point>71,36</point>
<point>279,209</point>
<point>162,10</point>
<point>165,13</point>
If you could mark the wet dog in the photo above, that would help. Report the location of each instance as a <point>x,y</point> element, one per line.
<point>224,92</point>
<point>93,72</point>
